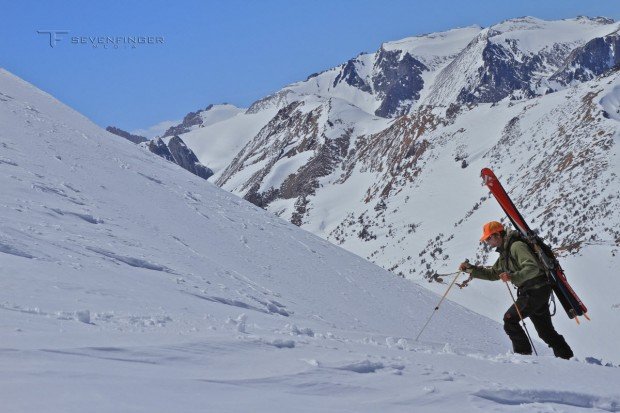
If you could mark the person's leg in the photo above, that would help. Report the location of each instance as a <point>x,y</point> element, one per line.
<point>541,318</point>
<point>520,342</point>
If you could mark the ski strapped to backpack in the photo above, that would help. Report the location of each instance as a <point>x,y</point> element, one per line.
<point>571,303</point>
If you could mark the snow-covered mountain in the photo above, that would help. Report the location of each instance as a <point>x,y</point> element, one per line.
<point>382,154</point>
<point>515,59</point>
<point>131,285</point>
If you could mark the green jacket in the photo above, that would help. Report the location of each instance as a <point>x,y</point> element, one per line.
<point>522,264</point>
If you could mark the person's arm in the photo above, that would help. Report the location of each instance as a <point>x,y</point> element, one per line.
<point>486,273</point>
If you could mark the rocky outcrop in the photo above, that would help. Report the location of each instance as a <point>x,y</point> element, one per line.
<point>502,75</point>
<point>398,82</point>
<point>295,147</point>
<point>511,60</point>
<point>159,148</point>
<point>176,151</point>
<point>349,75</point>
<point>279,100</point>
<point>185,158</point>
<point>507,71</point>
<point>593,59</point>
<point>190,120</point>
<point>124,134</point>
<point>267,145</point>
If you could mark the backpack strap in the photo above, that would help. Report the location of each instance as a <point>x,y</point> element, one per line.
<point>508,256</point>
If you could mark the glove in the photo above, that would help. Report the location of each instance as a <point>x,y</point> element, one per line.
<point>466,267</point>
<point>505,277</point>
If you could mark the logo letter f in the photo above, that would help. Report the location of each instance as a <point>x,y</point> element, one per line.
<point>53,35</point>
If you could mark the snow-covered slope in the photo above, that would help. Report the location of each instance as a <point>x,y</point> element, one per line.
<point>201,118</point>
<point>217,143</point>
<point>218,113</point>
<point>535,100</point>
<point>91,222</point>
<point>132,285</point>
<point>409,197</point>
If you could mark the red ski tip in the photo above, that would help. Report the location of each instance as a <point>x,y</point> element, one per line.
<point>487,176</point>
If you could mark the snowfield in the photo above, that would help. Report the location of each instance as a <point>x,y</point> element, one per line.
<point>130,285</point>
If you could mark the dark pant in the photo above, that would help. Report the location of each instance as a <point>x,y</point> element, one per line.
<point>535,305</point>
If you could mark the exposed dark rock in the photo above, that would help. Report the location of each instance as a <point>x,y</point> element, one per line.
<point>305,181</point>
<point>291,132</point>
<point>159,148</point>
<point>271,141</point>
<point>126,135</point>
<point>300,211</point>
<point>261,199</point>
<point>453,110</point>
<point>186,158</point>
<point>502,75</point>
<point>591,60</point>
<point>176,151</point>
<point>191,119</point>
<point>398,81</point>
<point>598,19</point>
<point>349,75</point>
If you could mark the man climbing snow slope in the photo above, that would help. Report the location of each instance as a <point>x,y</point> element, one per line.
<point>517,264</point>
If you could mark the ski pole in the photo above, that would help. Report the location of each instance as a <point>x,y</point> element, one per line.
<point>439,277</point>
<point>440,301</point>
<point>446,275</point>
<point>522,320</point>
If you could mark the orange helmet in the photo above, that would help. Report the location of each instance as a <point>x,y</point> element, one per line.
<point>491,228</point>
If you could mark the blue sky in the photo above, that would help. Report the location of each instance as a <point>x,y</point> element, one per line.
<point>221,51</point>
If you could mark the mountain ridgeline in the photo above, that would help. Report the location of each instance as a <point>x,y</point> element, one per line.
<point>382,153</point>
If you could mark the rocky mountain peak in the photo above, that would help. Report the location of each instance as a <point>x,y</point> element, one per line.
<point>590,60</point>
<point>202,117</point>
<point>177,151</point>
<point>599,19</point>
<point>190,120</point>
<point>124,134</point>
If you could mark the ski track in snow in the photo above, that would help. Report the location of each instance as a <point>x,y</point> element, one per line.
<point>293,373</point>
<point>526,397</point>
<point>9,249</point>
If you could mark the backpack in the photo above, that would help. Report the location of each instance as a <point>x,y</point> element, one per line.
<point>545,259</point>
